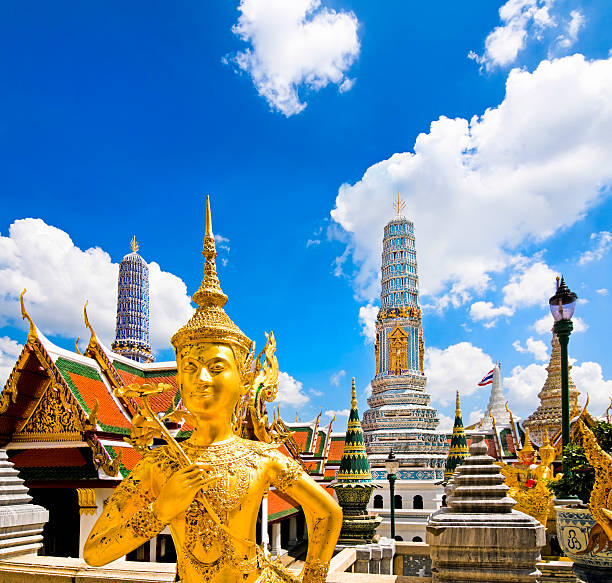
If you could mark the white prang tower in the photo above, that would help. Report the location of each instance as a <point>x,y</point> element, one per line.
<point>400,416</point>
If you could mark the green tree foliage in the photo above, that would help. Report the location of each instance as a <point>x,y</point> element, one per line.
<point>579,476</point>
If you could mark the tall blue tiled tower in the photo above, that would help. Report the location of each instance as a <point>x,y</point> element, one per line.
<point>400,416</point>
<point>132,331</point>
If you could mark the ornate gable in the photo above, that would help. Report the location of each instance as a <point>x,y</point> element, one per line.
<point>53,418</point>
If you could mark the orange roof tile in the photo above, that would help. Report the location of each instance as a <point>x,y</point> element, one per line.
<point>109,413</point>
<point>336,448</point>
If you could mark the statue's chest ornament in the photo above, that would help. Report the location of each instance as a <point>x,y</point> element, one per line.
<point>233,465</point>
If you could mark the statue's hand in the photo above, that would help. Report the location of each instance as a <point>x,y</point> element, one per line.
<point>179,491</point>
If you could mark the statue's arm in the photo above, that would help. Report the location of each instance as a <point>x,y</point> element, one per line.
<point>126,522</point>
<point>323,515</point>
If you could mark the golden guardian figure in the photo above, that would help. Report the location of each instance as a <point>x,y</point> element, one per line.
<point>208,488</point>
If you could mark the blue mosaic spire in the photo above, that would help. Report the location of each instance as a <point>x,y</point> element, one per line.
<point>132,331</point>
<point>400,414</point>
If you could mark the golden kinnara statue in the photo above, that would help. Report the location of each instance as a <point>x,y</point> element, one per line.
<point>208,489</point>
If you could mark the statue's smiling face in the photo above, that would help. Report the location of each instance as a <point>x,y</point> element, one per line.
<point>209,380</point>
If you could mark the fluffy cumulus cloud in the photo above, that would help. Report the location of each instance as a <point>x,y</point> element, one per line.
<point>544,325</point>
<point>60,277</point>
<point>9,351</point>
<point>537,348</point>
<point>295,44</point>
<point>589,378</point>
<point>504,43</point>
<point>524,384</point>
<point>600,244</point>
<point>525,20</point>
<point>458,367</point>
<point>524,289</point>
<point>476,189</point>
<point>336,413</point>
<point>290,391</point>
<point>446,423</point>
<point>367,319</point>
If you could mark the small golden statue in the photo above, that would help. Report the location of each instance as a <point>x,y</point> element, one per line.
<point>208,489</point>
<point>527,480</point>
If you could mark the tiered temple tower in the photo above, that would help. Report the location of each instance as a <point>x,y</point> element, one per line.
<point>132,331</point>
<point>548,413</point>
<point>459,446</point>
<point>400,416</point>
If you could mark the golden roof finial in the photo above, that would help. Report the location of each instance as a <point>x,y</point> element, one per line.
<point>399,205</point>
<point>134,244</point>
<point>26,316</point>
<point>457,406</point>
<point>87,324</point>
<point>353,394</point>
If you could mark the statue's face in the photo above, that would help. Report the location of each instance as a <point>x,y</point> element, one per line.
<point>209,380</point>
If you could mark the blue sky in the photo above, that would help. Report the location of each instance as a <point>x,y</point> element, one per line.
<point>303,120</point>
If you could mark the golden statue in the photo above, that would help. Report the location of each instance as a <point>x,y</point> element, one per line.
<point>527,479</point>
<point>208,489</point>
<point>600,503</point>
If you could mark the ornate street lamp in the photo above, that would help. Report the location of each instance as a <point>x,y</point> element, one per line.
<point>392,466</point>
<point>562,306</point>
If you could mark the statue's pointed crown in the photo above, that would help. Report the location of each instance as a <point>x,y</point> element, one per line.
<point>210,323</point>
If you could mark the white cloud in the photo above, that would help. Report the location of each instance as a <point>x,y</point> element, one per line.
<point>602,291</point>
<point>290,390</point>
<point>486,311</point>
<point>574,26</point>
<point>535,347</point>
<point>588,378</point>
<point>295,44</point>
<point>311,242</point>
<point>446,423</point>
<point>367,319</point>
<point>524,384</point>
<point>335,379</point>
<point>316,393</point>
<point>459,366</point>
<point>9,351</point>
<point>525,20</point>
<point>475,416</point>
<point>368,391</point>
<point>545,323</point>
<point>478,189</point>
<point>518,18</point>
<point>338,413</point>
<point>59,278</point>
<point>602,242</point>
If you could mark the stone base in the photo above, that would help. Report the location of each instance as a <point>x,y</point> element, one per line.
<point>374,558</point>
<point>21,529</point>
<point>470,548</point>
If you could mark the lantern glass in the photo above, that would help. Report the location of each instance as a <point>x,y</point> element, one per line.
<point>391,464</point>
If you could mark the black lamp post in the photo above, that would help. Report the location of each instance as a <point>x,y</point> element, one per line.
<point>392,466</point>
<point>562,306</point>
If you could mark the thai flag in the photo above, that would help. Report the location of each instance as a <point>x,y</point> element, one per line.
<point>487,380</point>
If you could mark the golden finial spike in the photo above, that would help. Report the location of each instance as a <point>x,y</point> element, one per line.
<point>76,344</point>
<point>208,232</point>
<point>87,324</point>
<point>26,316</point>
<point>457,406</point>
<point>353,394</point>
<point>399,205</point>
<point>134,244</point>
<point>546,437</point>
